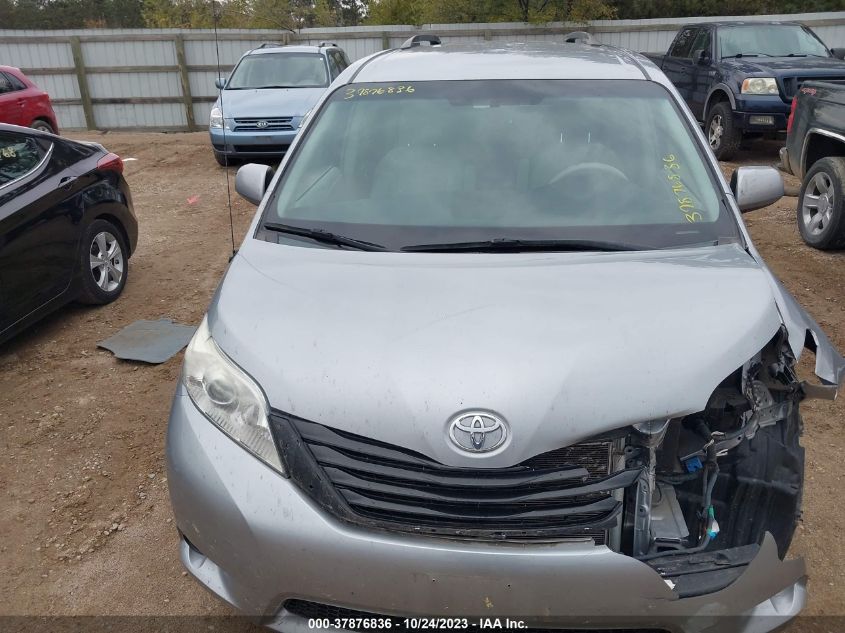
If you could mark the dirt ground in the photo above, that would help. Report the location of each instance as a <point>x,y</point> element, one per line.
<point>84,513</point>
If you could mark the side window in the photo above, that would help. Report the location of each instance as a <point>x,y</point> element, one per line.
<point>701,42</point>
<point>342,62</point>
<point>683,43</point>
<point>17,84</point>
<point>333,67</point>
<point>5,84</point>
<point>19,156</point>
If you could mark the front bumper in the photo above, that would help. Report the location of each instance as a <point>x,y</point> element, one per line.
<point>246,144</point>
<point>750,108</point>
<point>252,538</point>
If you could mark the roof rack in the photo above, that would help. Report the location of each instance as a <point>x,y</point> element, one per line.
<point>325,44</point>
<point>417,40</point>
<point>270,45</point>
<point>579,37</point>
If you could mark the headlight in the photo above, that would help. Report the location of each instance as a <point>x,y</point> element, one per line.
<point>228,397</point>
<point>760,86</point>
<point>216,119</point>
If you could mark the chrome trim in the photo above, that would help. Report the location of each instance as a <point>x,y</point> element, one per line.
<point>31,171</point>
<point>816,130</point>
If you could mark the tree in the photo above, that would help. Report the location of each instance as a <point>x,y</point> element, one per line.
<point>397,12</point>
<point>534,10</point>
<point>7,9</point>
<point>449,11</point>
<point>297,14</point>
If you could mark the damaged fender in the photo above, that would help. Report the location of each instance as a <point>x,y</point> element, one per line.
<point>805,333</point>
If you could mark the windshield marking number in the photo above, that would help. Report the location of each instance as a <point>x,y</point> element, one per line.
<point>685,203</point>
<point>351,93</point>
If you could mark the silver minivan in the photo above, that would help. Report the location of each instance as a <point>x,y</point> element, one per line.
<point>497,346</point>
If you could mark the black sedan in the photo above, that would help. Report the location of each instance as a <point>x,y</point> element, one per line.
<point>67,228</point>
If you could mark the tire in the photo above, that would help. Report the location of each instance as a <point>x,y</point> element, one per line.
<point>821,204</point>
<point>42,126</point>
<point>223,160</point>
<point>723,137</point>
<point>102,238</point>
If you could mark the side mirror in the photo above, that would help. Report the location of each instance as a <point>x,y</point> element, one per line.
<point>756,187</point>
<point>701,56</point>
<point>252,180</point>
<point>220,83</point>
<point>839,53</point>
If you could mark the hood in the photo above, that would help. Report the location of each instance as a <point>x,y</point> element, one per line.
<point>267,103</point>
<point>787,66</point>
<point>562,346</point>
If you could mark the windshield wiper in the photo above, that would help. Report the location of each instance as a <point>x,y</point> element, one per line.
<point>323,236</point>
<point>517,245</point>
<point>738,55</point>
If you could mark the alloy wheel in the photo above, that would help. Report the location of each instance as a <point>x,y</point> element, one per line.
<point>817,204</point>
<point>714,134</point>
<point>106,261</point>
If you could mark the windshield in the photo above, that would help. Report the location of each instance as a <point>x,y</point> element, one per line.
<point>769,40</point>
<point>401,164</point>
<point>279,70</point>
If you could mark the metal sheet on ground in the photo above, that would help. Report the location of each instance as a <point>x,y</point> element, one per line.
<point>151,342</point>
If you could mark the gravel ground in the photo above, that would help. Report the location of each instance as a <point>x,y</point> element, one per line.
<point>85,517</point>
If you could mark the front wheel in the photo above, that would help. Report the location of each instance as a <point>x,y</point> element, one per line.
<point>723,137</point>
<point>222,159</point>
<point>104,263</point>
<point>821,204</point>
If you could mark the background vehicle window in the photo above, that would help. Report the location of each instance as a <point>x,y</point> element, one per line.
<point>5,84</point>
<point>279,70</point>
<point>340,60</point>
<point>17,84</point>
<point>769,40</point>
<point>333,65</point>
<point>19,155</point>
<point>701,42</point>
<point>401,164</point>
<point>683,43</point>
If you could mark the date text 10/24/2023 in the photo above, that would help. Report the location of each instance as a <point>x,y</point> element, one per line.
<point>416,624</point>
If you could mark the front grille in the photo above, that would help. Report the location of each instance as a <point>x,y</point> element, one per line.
<point>319,611</point>
<point>564,493</point>
<point>792,84</point>
<point>263,125</point>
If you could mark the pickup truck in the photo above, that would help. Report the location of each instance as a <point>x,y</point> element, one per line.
<point>815,152</point>
<point>738,78</point>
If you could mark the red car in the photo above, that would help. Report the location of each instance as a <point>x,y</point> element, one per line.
<point>24,103</point>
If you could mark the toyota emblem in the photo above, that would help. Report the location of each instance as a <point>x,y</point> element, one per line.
<point>478,431</point>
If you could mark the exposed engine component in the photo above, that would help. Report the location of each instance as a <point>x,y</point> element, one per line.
<point>668,526</point>
<point>723,477</point>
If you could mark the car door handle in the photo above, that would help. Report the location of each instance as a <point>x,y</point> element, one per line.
<point>67,181</point>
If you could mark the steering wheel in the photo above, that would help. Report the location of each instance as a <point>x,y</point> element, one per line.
<point>602,168</point>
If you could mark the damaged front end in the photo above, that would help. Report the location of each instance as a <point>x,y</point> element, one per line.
<point>714,483</point>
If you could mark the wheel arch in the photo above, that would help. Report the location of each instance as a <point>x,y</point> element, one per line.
<point>718,93</point>
<point>118,223</point>
<point>820,144</point>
